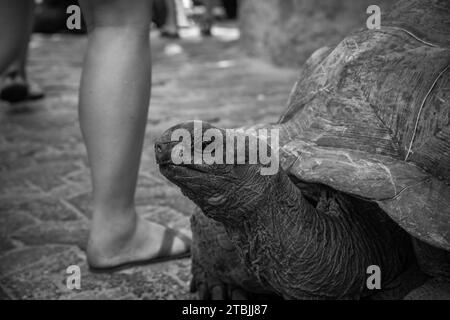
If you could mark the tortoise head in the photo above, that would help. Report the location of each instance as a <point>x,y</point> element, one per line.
<point>223,171</point>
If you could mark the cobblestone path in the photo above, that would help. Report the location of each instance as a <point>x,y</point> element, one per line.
<point>44,177</point>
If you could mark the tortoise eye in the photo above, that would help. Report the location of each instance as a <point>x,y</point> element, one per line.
<point>206,143</point>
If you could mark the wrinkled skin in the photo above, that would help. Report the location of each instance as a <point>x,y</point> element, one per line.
<point>217,270</point>
<point>296,240</point>
<point>365,136</point>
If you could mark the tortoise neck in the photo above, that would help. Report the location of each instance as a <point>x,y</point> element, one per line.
<point>283,215</point>
<point>296,248</point>
<point>280,193</point>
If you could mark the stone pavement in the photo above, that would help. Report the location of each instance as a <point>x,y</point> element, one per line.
<point>44,177</point>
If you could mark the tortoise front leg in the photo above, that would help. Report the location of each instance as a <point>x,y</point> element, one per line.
<point>218,272</point>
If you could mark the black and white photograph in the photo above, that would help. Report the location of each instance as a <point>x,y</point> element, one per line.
<point>248,150</point>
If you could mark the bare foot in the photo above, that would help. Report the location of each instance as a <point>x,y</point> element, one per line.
<point>117,239</point>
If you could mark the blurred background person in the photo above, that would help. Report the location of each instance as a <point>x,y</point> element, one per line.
<point>213,10</point>
<point>169,29</point>
<point>16,86</point>
<point>16,23</point>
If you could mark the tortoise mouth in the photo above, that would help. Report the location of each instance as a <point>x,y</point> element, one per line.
<point>171,170</point>
<point>196,167</point>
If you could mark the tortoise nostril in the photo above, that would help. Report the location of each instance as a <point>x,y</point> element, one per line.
<point>162,153</point>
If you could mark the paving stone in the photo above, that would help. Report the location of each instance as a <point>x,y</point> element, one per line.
<point>5,244</point>
<point>4,295</point>
<point>162,287</point>
<point>183,272</point>
<point>70,233</point>
<point>108,294</point>
<point>61,152</point>
<point>14,187</point>
<point>17,260</point>
<point>83,203</point>
<point>67,190</point>
<point>29,285</point>
<point>11,160</point>
<point>56,263</point>
<point>165,216</point>
<point>48,176</point>
<point>46,278</point>
<point>180,270</point>
<point>48,209</point>
<point>81,178</point>
<point>11,220</point>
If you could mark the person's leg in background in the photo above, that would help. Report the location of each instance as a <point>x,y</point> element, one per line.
<point>114,99</point>
<point>170,27</point>
<point>207,21</point>
<point>16,23</point>
<point>16,85</point>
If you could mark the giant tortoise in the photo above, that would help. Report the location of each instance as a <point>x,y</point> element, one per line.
<point>364,150</point>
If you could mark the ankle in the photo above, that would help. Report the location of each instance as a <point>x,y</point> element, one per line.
<point>110,232</point>
<point>113,209</point>
<point>113,223</point>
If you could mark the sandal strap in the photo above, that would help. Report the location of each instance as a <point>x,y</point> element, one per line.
<point>168,240</point>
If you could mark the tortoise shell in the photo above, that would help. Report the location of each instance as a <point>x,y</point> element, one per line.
<point>371,117</point>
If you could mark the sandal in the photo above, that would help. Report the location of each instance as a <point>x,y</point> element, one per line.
<point>35,92</point>
<point>163,255</point>
<point>16,89</point>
